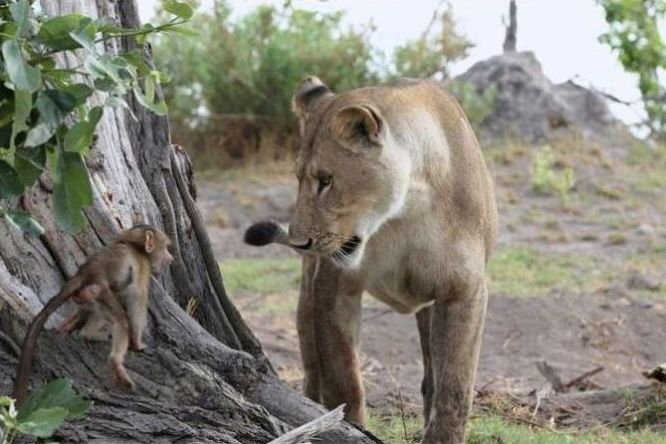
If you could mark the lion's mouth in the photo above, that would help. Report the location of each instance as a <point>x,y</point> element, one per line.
<point>350,246</point>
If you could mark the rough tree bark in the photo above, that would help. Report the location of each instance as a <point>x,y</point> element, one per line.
<point>204,378</point>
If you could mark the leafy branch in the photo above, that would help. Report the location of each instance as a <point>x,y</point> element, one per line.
<point>634,35</point>
<point>42,413</point>
<point>47,117</point>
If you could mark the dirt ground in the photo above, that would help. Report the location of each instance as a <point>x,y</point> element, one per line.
<point>578,280</point>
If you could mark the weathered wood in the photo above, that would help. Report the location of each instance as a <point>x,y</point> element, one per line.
<point>312,429</point>
<point>202,379</point>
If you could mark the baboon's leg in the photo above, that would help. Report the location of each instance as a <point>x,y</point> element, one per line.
<point>337,331</point>
<point>137,314</point>
<point>119,338</point>
<point>423,323</point>
<point>455,340</point>
<point>95,330</point>
<point>305,323</point>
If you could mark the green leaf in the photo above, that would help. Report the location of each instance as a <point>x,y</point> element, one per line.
<point>80,92</point>
<point>102,66</point>
<point>22,75</point>
<point>179,9</point>
<point>72,191</point>
<point>53,105</point>
<point>80,135</point>
<point>83,38</point>
<point>43,422</point>
<point>59,76</point>
<point>57,393</point>
<point>24,222</point>
<point>39,134</point>
<point>22,107</point>
<point>158,108</point>
<point>150,89</point>
<point>135,59</point>
<point>29,163</point>
<point>184,30</point>
<point>10,182</point>
<point>64,100</point>
<point>119,102</point>
<point>54,33</point>
<point>46,63</point>
<point>5,136</point>
<point>20,13</point>
<point>78,407</point>
<point>105,84</point>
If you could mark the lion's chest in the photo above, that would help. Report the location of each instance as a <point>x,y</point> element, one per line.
<point>404,272</point>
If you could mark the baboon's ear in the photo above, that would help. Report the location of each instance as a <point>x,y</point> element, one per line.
<point>309,93</point>
<point>359,126</point>
<point>149,242</point>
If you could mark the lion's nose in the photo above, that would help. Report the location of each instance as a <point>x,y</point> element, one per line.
<point>301,244</point>
<point>298,236</point>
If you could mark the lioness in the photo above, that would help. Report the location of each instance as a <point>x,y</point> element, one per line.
<point>394,198</point>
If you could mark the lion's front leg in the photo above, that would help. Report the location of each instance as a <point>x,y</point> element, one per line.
<point>306,319</point>
<point>337,331</point>
<point>423,319</point>
<point>455,341</point>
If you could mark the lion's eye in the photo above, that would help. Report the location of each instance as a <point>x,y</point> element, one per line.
<point>324,182</point>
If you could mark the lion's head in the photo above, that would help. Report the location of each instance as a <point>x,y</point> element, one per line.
<point>351,175</point>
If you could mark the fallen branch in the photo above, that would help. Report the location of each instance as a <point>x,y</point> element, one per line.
<point>580,379</point>
<point>551,375</point>
<point>313,428</point>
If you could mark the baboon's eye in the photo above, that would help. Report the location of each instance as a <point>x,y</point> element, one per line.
<point>324,181</point>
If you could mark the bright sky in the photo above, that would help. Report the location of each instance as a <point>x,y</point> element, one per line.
<point>562,33</point>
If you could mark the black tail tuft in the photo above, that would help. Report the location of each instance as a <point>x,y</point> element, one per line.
<point>261,233</point>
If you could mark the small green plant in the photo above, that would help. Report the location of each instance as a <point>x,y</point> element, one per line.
<point>42,413</point>
<point>477,105</point>
<point>546,180</point>
<point>397,427</point>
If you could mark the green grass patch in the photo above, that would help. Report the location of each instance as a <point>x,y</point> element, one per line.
<point>649,163</point>
<point>490,429</point>
<point>641,154</point>
<point>525,272</point>
<point>262,275</point>
<point>495,430</point>
<point>395,429</point>
<point>512,271</point>
<point>649,181</point>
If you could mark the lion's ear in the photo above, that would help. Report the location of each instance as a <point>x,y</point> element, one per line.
<point>309,93</point>
<point>359,125</point>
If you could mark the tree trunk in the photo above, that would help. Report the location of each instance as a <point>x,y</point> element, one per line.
<point>203,378</point>
<point>510,38</point>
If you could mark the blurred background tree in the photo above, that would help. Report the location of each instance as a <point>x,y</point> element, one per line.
<point>634,35</point>
<point>439,45</point>
<point>251,65</point>
<point>231,86</point>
